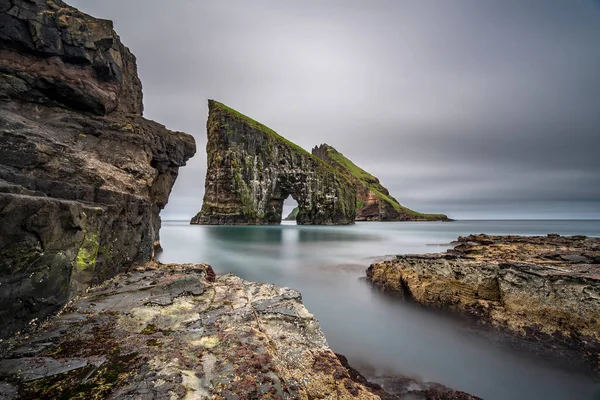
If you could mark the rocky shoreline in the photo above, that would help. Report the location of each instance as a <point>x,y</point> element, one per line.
<point>179,331</point>
<point>543,289</point>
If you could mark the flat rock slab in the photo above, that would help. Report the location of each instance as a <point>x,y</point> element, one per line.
<point>178,331</point>
<point>545,289</point>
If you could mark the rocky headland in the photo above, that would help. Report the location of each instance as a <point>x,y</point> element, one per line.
<point>543,289</point>
<point>83,176</point>
<point>373,200</point>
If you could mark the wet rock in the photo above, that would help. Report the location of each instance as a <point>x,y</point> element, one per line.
<point>398,387</point>
<point>83,176</point>
<point>542,289</point>
<point>373,200</point>
<point>252,170</point>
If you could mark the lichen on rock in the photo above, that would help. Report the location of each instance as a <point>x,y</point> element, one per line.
<point>177,331</point>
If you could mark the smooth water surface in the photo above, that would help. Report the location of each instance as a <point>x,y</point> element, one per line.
<point>325,264</point>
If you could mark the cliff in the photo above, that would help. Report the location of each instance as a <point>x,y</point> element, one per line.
<point>542,289</point>
<point>83,176</point>
<point>373,201</point>
<point>252,170</point>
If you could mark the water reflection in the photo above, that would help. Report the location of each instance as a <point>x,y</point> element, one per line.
<point>325,264</point>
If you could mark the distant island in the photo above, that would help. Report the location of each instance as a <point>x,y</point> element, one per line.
<point>252,170</point>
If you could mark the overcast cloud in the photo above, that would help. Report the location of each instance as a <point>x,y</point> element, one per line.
<point>474,108</point>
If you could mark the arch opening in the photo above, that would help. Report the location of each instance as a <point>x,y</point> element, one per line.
<point>290,210</point>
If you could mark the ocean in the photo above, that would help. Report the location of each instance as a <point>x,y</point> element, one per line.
<point>379,334</point>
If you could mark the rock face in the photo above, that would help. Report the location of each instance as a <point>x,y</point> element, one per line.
<point>83,176</point>
<point>179,332</point>
<point>373,201</point>
<point>543,289</point>
<point>252,170</point>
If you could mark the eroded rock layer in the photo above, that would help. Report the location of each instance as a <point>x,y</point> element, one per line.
<point>373,200</point>
<point>83,176</point>
<point>544,289</point>
<point>252,170</point>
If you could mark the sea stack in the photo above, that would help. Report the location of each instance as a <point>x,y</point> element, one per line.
<point>252,170</point>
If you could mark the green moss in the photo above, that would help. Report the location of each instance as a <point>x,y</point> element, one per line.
<point>293,215</point>
<point>362,177</point>
<point>88,252</point>
<point>245,192</point>
<point>360,204</point>
<point>270,132</point>
<point>407,211</point>
<point>257,125</point>
<point>348,165</point>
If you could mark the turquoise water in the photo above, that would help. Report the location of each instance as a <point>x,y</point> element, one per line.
<point>375,332</point>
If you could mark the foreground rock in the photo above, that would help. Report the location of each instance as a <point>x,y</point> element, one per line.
<point>543,289</point>
<point>252,170</point>
<point>178,331</point>
<point>83,176</point>
<point>373,200</point>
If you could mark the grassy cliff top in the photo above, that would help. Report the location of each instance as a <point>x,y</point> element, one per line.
<point>215,105</point>
<point>352,170</point>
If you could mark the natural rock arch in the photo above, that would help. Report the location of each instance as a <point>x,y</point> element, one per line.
<point>252,170</point>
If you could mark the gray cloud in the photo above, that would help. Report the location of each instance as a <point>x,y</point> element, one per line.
<point>476,109</point>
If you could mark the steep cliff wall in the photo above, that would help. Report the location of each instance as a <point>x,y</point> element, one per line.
<point>83,176</point>
<point>252,170</point>
<point>374,202</point>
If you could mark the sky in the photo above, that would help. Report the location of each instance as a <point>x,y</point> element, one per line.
<point>473,108</point>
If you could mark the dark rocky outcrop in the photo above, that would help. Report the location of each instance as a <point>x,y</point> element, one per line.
<point>252,170</point>
<point>398,387</point>
<point>83,176</point>
<point>545,290</point>
<point>373,201</point>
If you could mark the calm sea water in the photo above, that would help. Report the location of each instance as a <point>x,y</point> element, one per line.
<point>375,332</point>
